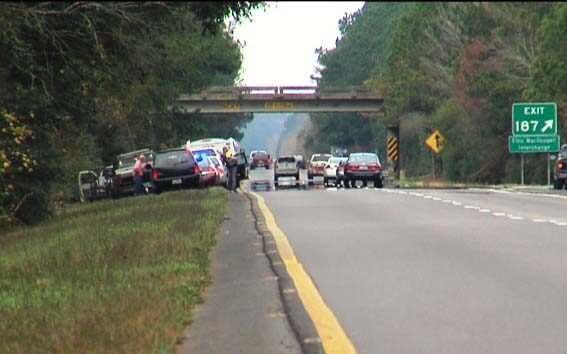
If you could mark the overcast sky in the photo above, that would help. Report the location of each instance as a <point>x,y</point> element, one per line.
<point>281,40</point>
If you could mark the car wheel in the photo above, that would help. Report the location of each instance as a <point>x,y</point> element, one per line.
<point>297,177</point>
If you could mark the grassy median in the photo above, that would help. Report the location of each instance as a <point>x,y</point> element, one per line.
<point>113,276</point>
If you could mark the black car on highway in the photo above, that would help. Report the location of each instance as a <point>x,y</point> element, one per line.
<point>175,168</point>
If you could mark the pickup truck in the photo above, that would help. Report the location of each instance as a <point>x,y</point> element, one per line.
<point>123,179</point>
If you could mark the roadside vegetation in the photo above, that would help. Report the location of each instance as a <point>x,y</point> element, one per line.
<point>457,67</point>
<point>115,276</point>
<point>85,81</point>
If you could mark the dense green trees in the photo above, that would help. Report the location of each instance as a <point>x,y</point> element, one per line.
<point>81,82</point>
<point>457,67</point>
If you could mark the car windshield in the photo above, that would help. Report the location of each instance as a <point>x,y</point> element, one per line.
<point>286,160</point>
<point>335,160</point>
<point>260,155</point>
<point>318,158</point>
<point>364,158</point>
<point>173,158</point>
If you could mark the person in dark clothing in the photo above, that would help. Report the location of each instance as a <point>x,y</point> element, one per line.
<point>231,164</point>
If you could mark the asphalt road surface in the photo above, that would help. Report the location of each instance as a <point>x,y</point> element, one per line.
<point>434,271</point>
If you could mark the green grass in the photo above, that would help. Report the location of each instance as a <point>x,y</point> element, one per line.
<point>113,276</point>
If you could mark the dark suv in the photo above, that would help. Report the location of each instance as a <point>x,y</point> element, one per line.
<point>175,168</point>
<point>560,169</point>
<point>363,166</point>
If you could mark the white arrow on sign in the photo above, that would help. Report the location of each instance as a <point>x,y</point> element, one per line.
<point>548,125</point>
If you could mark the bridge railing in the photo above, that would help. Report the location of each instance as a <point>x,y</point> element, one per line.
<point>285,91</point>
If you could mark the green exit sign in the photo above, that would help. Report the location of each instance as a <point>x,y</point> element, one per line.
<point>532,143</point>
<point>534,119</point>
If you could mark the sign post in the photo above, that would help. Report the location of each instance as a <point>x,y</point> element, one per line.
<point>436,142</point>
<point>534,129</point>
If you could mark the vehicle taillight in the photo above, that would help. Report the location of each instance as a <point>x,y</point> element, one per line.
<point>374,167</point>
<point>560,165</point>
<point>196,169</point>
<point>352,167</point>
<point>211,169</point>
<point>155,174</point>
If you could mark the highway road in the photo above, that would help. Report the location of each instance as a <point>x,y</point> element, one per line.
<point>434,271</point>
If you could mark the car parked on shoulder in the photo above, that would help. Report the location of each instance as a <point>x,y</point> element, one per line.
<point>175,168</point>
<point>208,171</point>
<point>218,144</point>
<point>317,165</point>
<point>560,169</point>
<point>286,166</point>
<point>363,166</point>
<point>221,171</point>
<point>330,172</point>
<point>199,153</point>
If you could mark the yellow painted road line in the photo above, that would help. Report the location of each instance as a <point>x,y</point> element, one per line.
<point>333,337</point>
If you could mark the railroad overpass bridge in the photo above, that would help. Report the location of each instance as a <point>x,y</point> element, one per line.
<point>280,99</point>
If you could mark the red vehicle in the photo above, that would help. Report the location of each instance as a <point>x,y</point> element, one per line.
<point>260,159</point>
<point>363,166</point>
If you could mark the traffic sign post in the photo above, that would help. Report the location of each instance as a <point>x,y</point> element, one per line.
<point>534,129</point>
<point>435,141</point>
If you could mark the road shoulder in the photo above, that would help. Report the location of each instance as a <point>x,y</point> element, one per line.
<point>243,310</point>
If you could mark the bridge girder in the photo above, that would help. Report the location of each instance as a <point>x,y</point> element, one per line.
<point>276,99</point>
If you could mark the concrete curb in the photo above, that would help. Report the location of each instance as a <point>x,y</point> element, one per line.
<point>300,322</point>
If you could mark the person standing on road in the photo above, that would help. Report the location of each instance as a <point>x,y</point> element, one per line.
<point>139,175</point>
<point>231,165</point>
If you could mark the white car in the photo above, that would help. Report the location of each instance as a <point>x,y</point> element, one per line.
<point>330,171</point>
<point>221,171</point>
<point>317,165</point>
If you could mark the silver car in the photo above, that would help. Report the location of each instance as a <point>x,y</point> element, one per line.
<point>286,166</point>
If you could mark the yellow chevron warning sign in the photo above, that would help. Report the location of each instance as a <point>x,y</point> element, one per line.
<point>392,148</point>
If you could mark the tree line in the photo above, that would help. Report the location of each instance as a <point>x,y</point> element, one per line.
<point>456,67</point>
<point>85,81</point>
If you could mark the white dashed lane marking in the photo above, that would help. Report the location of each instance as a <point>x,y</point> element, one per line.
<point>474,207</point>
